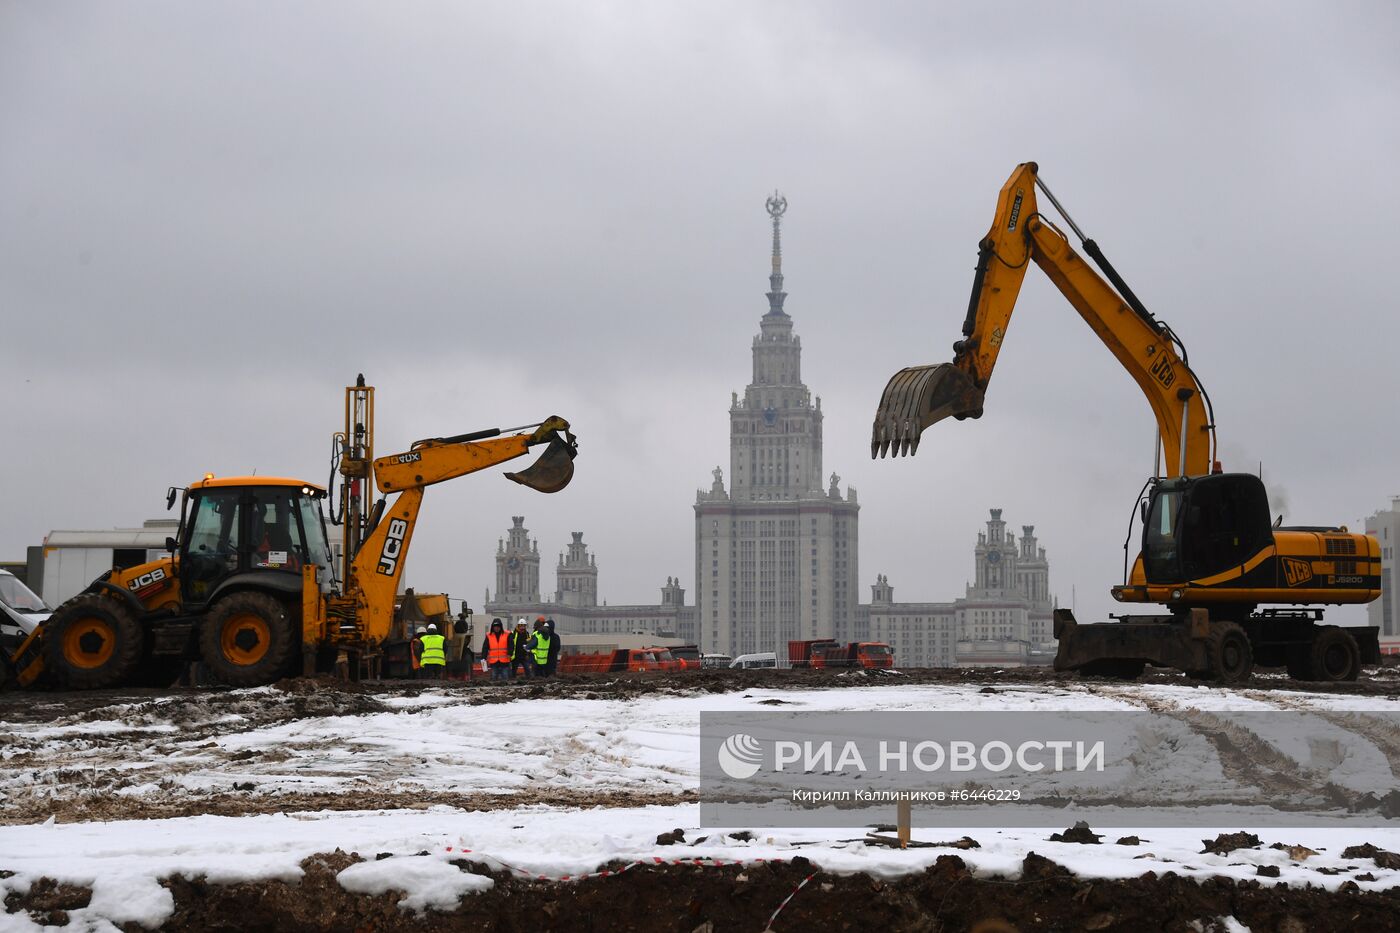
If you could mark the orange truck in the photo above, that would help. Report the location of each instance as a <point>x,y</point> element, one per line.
<point>823,653</point>
<point>619,660</point>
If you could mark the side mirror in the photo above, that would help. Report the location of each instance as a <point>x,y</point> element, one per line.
<point>170,545</point>
<point>1143,510</point>
<point>170,498</point>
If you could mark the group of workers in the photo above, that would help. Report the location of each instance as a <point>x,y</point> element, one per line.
<point>517,653</point>
<point>521,653</point>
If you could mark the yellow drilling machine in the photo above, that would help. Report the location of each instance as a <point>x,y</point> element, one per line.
<point>251,586</point>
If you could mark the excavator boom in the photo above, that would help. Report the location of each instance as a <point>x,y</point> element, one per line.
<point>920,396</point>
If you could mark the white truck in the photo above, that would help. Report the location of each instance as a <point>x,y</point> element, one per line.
<point>21,611</point>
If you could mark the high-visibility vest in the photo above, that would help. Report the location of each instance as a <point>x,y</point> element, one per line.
<point>497,648</point>
<point>432,650</point>
<point>541,648</point>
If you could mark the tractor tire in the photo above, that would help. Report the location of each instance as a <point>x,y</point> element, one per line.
<point>1333,656</point>
<point>1229,653</point>
<point>247,640</point>
<point>92,641</point>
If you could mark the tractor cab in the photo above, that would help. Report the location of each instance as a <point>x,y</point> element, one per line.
<point>256,530</point>
<point>1195,527</point>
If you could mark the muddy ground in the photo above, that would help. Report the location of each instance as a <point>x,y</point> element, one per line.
<point>945,897</point>
<point>33,706</point>
<point>123,738</point>
<point>708,900</point>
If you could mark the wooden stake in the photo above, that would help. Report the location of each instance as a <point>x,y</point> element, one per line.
<point>903,818</point>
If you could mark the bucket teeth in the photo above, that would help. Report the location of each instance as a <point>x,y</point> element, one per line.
<point>916,397</point>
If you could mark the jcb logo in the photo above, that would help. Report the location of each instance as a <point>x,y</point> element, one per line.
<point>1296,571</point>
<point>147,579</point>
<point>393,546</point>
<point>1016,209</point>
<point>408,458</point>
<point>1162,369</point>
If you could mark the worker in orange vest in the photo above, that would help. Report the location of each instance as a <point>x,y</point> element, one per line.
<point>496,650</point>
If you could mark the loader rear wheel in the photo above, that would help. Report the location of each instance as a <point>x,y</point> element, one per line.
<point>92,641</point>
<point>1229,653</point>
<point>246,640</point>
<point>1333,656</point>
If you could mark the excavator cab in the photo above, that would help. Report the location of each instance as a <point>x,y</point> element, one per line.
<point>1200,526</point>
<point>241,528</point>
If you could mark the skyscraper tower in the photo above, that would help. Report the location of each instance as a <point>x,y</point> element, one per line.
<point>518,566</point>
<point>776,554</point>
<point>577,575</point>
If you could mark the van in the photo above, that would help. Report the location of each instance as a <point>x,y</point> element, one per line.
<point>750,661</point>
<point>21,611</point>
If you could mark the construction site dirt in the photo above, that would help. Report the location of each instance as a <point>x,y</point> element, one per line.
<point>944,897</point>
<point>29,706</point>
<point>145,754</point>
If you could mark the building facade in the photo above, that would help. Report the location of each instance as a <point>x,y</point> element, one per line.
<point>575,608</point>
<point>776,553</point>
<point>1385,525</point>
<point>1004,619</point>
<point>777,547</point>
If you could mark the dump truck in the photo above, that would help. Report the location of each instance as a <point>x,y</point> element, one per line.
<point>1238,588</point>
<point>250,586</point>
<point>826,653</point>
<point>619,660</point>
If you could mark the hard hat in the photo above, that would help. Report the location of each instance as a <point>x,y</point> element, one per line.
<point>540,619</point>
<point>432,628</point>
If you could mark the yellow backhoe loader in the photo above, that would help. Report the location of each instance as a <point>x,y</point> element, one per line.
<point>1209,551</point>
<point>251,587</point>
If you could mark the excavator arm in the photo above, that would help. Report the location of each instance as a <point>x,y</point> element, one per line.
<point>920,396</point>
<point>378,565</point>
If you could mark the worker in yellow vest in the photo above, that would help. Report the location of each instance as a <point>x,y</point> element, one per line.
<point>496,650</point>
<point>432,662</point>
<point>543,648</point>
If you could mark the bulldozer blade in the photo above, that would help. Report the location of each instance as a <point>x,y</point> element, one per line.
<point>919,396</point>
<point>553,470</point>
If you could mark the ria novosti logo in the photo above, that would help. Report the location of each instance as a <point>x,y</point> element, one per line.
<point>740,756</point>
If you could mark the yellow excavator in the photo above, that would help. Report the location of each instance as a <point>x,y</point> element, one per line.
<point>1209,551</point>
<point>251,586</point>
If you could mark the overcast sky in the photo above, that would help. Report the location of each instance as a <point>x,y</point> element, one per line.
<point>213,215</point>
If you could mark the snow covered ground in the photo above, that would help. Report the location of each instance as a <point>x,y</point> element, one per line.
<point>449,746</point>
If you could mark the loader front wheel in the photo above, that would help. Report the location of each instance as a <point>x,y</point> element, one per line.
<point>1229,652</point>
<point>91,642</point>
<point>246,640</point>
<point>1333,655</point>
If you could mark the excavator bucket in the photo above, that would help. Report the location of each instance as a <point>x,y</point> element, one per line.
<point>555,467</point>
<point>916,397</point>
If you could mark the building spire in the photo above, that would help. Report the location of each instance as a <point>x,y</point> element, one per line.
<point>777,206</point>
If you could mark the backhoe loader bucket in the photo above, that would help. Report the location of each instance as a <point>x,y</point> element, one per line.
<point>555,467</point>
<point>916,397</point>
